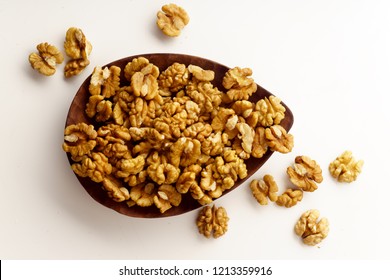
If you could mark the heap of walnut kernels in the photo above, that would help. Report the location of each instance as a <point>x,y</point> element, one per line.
<point>162,135</point>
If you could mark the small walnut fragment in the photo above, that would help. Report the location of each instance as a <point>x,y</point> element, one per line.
<point>305,173</point>
<point>172,19</point>
<point>46,60</point>
<point>78,49</point>
<point>289,198</point>
<point>345,168</point>
<point>311,231</point>
<point>264,189</point>
<point>212,221</point>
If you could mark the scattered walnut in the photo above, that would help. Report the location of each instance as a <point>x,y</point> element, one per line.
<point>105,81</point>
<point>46,59</point>
<point>278,139</point>
<point>305,173</point>
<point>212,221</point>
<point>311,231</point>
<point>172,19</point>
<point>264,189</point>
<point>345,168</point>
<point>78,49</point>
<point>289,198</point>
<point>238,83</point>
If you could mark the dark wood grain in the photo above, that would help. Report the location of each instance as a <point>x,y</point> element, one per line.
<point>77,114</point>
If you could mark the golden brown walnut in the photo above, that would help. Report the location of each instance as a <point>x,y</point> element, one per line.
<point>136,65</point>
<point>221,117</point>
<point>238,83</point>
<point>305,173</point>
<point>278,139</point>
<point>205,95</point>
<point>185,152</point>
<point>129,166</point>
<point>188,178</point>
<point>201,74</point>
<point>199,131</point>
<point>143,194</point>
<point>310,229</point>
<point>75,67</point>
<point>174,78</point>
<point>260,146</point>
<point>105,81</point>
<point>95,166</point>
<point>115,189</point>
<point>271,111</point>
<point>76,45</point>
<point>78,49</point>
<point>166,196</point>
<point>46,59</point>
<point>264,189</point>
<point>243,108</point>
<point>289,198</point>
<point>345,168</point>
<point>79,140</point>
<point>212,221</point>
<point>247,135</point>
<point>172,19</point>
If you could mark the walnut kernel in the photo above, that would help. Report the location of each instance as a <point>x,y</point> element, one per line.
<point>46,59</point>
<point>212,221</point>
<point>345,168</point>
<point>172,19</point>
<point>311,231</point>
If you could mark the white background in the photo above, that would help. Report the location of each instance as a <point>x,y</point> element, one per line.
<point>329,61</point>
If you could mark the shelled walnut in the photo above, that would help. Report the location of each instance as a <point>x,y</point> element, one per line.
<point>345,168</point>
<point>311,231</point>
<point>172,19</point>
<point>289,198</point>
<point>78,48</point>
<point>305,173</point>
<point>212,221</point>
<point>46,60</point>
<point>264,189</point>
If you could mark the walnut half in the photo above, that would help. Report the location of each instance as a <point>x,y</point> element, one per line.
<point>212,221</point>
<point>311,231</point>
<point>345,168</point>
<point>46,59</point>
<point>172,19</point>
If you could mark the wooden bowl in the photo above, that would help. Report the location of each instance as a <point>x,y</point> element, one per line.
<point>77,114</point>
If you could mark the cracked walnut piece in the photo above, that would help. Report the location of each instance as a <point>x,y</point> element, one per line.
<point>289,198</point>
<point>264,189</point>
<point>172,19</point>
<point>345,168</point>
<point>212,221</point>
<point>46,59</point>
<point>78,49</point>
<point>305,173</point>
<point>311,231</point>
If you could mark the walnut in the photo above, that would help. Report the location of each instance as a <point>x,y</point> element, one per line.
<point>174,78</point>
<point>205,95</point>
<point>129,166</point>
<point>238,83</point>
<point>271,111</point>
<point>305,173</point>
<point>115,189</point>
<point>311,231</point>
<point>264,189</point>
<point>162,172</point>
<point>166,197</point>
<point>136,65</point>
<point>243,108</point>
<point>46,59</point>
<point>278,139</point>
<point>144,82</point>
<point>221,117</point>
<point>214,144</point>
<point>259,146</point>
<point>105,81</point>
<point>143,194</point>
<point>201,74</point>
<point>185,152</point>
<point>79,140</point>
<point>78,49</point>
<point>75,67</point>
<point>345,168</point>
<point>199,131</point>
<point>76,45</point>
<point>172,19</point>
<point>188,178</point>
<point>246,135</point>
<point>289,198</point>
<point>95,166</point>
<point>212,221</point>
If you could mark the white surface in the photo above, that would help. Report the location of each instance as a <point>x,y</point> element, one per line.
<point>329,61</point>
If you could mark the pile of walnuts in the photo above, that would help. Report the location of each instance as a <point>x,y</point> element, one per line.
<point>160,135</point>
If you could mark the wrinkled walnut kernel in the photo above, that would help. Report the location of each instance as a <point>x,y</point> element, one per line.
<point>311,231</point>
<point>289,198</point>
<point>172,19</point>
<point>345,168</point>
<point>305,173</point>
<point>212,221</point>
<point>264,189</point>
<point>46,59</point>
